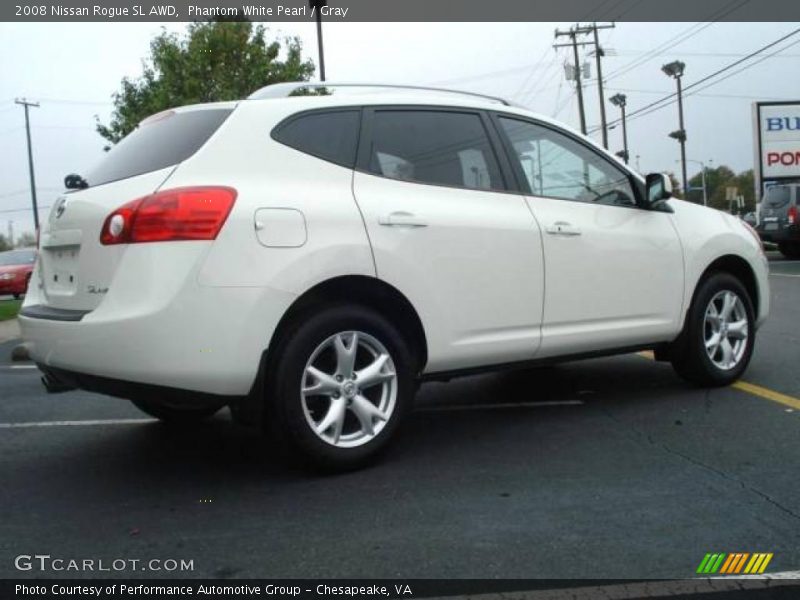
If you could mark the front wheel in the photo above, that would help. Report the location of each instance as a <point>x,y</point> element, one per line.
<point>717,342</point>
<point>343,382</point>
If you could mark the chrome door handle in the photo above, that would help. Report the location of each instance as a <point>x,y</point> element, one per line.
<point>401,219</point>
<point>563,228</point>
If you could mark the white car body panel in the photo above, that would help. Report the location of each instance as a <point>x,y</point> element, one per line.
<point>596,296</point>
<point>475,252</point>
<point>487,284</point>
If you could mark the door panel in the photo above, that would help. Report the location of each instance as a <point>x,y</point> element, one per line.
<point>469,261</point>
<point>614,271</point>
<point>618,283</point>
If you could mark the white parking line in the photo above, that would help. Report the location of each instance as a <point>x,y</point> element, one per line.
<point>19,367</point>
<point>778,575</point>
<point>76,423</point>
<point>783,275</point>
<point>499,405</point>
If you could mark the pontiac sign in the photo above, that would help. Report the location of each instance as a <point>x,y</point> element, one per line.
<point>777,143</point>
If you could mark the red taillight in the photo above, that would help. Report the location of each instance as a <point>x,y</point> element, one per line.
<point>792,216</point>
<point>190,213</point>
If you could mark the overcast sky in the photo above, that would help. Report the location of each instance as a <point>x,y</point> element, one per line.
<point>72,70</point>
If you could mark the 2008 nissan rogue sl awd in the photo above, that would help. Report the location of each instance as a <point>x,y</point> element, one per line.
<point>308,259</point>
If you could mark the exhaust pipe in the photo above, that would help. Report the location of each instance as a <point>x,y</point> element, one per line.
<point>54,385</point>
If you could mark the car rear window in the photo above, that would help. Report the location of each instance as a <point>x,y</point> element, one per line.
<point>778,196</point>
<point>330,135</point>
<point>160,141</point>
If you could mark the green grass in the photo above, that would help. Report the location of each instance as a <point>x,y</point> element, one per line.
<point>9,309</point>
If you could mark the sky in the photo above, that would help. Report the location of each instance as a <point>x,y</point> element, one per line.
<point>72,70</point>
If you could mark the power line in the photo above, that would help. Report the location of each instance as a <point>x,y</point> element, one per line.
<point>536,65</point>
<point>679,38</point>
<point>708,85</point>
<point>668,99</point>
<point>662,92</point>
<point>696,54</point>
<point>626,11</point>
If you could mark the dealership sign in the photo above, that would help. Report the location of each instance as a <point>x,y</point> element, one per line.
<point>777,127</point>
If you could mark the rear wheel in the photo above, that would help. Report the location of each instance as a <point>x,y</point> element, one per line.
<point>342,385</point>
<point>790,249</point>
<point>175,415</point>
<point>717,342</point>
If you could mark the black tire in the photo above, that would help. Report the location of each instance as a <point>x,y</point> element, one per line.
<point>285,414</point>
<point>790,249</point>
<point>16,296</point>
<point>688,353</point>
<point>176,415</point>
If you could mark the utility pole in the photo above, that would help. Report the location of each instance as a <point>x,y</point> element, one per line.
<point>599,53</point>
<point>11,233</point>
<point>579,87</point>
<point>316,6</point>
<point>26,104</point>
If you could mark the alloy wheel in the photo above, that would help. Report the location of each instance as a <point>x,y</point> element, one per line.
<point>349,389</point>
<point>725,330</point>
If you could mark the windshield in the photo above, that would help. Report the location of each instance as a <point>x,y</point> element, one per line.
<point>17,257</point>
<point>162,140</point>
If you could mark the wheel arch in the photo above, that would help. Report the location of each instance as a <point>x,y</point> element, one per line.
<point>739,268</point>
<point>728,263</point>
<point>356,289</point>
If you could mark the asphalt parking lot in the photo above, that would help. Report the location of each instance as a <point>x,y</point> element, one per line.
<point>609,468</point>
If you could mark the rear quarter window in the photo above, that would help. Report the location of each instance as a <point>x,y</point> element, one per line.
<point>160,141</point>
<point>329,135</point>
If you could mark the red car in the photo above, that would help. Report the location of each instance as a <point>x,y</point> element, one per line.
<point>16,267</point>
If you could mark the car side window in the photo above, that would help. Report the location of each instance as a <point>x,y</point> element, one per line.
<point>556,166</point>
<point>330,135</point>
<point>436,147</point>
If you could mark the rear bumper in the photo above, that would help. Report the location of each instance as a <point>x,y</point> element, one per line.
<point>158,326</point>
<point>783,234</point>
<point>60,380</point>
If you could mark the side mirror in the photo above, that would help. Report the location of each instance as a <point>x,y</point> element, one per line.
<point>659,187</point>
<point>73,181</point>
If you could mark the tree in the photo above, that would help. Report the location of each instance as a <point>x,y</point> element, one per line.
<point>4,245</point>
<point>26,240</point>
<point>676,186</point>
<point>214,61</point>
<point>717,182</point>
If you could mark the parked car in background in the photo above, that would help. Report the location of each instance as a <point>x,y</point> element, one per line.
<point>779,221</point>
<point>751,219</point>
<point>308,260</point>
<point>16,267</point>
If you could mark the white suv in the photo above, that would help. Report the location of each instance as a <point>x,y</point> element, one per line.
<point>308,260</point>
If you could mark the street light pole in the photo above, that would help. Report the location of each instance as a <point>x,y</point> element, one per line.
<point>621,100</point>
<point>675,70</point>
<point>703,177</point>
<point>682,138</point>
<point>26,104</point>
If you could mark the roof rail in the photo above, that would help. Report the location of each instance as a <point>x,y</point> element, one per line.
<point>284,90</point>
